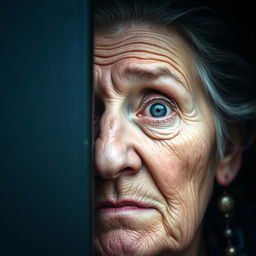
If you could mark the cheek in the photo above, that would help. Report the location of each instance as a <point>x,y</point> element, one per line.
<point>176,163</point>
<point>181,169</point>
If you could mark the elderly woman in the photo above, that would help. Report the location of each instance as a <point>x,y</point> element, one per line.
<point>170,119</point>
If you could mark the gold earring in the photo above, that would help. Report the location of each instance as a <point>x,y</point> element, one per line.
<point>226,205</point>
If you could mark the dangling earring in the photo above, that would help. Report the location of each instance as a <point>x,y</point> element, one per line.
<point>226,205</point>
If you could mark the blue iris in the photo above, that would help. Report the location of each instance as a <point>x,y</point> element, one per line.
<point>158,110</point>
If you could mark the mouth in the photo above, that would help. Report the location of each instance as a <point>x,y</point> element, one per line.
<point>124,206</point>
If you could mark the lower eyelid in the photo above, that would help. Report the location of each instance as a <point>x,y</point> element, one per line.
<point>162,120</point>
<point>164,129</point>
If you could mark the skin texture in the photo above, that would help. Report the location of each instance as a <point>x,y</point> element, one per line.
<point>167,163</point>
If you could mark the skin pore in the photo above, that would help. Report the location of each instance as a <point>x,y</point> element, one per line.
<point>155,145</point>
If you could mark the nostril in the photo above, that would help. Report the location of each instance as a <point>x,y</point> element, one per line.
<point>128,170</point>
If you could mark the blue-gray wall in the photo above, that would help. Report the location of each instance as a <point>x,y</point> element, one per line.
<point>45,181</point>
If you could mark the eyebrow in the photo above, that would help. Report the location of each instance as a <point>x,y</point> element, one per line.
<point>142,73</point>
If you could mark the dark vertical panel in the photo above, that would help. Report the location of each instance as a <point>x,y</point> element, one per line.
<point>45,188</point>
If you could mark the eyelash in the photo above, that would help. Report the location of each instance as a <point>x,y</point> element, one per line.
<point>157,120</point>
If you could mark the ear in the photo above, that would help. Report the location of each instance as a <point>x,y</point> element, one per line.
<point>229,166</point>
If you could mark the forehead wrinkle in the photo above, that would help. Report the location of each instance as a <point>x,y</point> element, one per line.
<point>139,73</point>
<point>158,37</point>
<point>139,47</point>
<point>143,55</point>
<point>138,39</point>
<point>127,52</point>
<point>115,48</point>
<point>145,45</point>
<point>109,41</point>
<point>183,81</point>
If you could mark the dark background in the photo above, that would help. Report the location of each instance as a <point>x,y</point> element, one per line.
<point>241,16</point>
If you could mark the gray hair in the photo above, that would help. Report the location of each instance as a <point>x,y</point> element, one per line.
<point>226,77</point>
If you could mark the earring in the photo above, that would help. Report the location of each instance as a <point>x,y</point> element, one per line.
<point>226,204</point>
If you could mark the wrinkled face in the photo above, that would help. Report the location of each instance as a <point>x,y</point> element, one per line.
<point>154,151</point>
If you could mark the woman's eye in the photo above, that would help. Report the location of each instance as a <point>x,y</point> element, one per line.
<point>158,116</point>
<point>157,110</point>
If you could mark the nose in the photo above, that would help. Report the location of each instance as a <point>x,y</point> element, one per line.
<point>114,152</point>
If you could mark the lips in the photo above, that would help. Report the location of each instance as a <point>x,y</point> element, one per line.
<point>121,206</point>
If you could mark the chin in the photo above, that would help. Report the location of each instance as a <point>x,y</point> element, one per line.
<point>130,243</point>
<point>119,243</point>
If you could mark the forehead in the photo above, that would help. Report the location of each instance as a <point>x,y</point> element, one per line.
<point>150,51</point>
